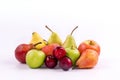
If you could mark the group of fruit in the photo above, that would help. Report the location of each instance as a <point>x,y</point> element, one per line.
<point>53,52</point>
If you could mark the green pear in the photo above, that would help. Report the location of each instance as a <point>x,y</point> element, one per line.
<point>70,41</point>
<point>54,38</point>
<point>35,58</point>
<point>73,54</point>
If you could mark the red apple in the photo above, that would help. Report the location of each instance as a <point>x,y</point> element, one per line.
<point>88,59</point>
<point>48,50</point>
<point>21,51</point>
<point>89,44</point>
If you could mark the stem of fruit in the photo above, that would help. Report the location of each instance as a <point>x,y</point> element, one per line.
<point>91,43</point>
<point>73,30</point>
<point>46,42</point>
<point>37,43</point>
<point>72,47</point>
<point>48,28</point>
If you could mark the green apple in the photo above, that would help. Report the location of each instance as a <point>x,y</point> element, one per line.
<point>35,58</point>
<point>73,54</point>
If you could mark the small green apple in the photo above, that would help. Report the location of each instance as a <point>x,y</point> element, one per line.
<point>73,54</point>
<point>35,58</point>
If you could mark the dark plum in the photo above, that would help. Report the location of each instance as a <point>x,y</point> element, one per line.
<point>50,61</point>
<point>65,63</point>
<point>59,52</point>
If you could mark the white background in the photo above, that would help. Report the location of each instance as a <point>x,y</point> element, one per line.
<point>97,19</point>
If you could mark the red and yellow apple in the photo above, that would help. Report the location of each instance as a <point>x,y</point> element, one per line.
<point>89,44</point>
<point>88,59</point>
<point>21,51</point>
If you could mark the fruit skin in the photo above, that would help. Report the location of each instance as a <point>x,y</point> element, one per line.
<point>73,54</point>
<point>88,59</point>
<point>51,62</point>
<point>65,63</point>
<point>21,51</point>
<point>70,41</point>
<point>59,52</point>
<point>54,37</point>
<point>89,44</point>
<point>48,49</point>
<point>37,38</point>
<point>35,58</point>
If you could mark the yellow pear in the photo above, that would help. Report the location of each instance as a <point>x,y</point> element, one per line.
<point>36,38</point>
<point>54,38</point>
<point>70,41</point>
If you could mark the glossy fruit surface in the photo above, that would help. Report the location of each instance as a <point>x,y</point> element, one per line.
<point>35,58</point>
<point>21,51</point>
<point>48,50</point>
<point>88,59</point>
<point>65,63</point>
<point>59,52</point>
<point>54,38</point>
<point>70,41</point>
<point>51,61</point>
<point>89,44</point>
<point>36,38</point>
<point>73,54</point>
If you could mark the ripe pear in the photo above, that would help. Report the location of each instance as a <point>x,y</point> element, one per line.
<point>73,54</point>
<point>88,59</point>
<point>54,38</point>
<point>70,41</point>
<point>36,38</point>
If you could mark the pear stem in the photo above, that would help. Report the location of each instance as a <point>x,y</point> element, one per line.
<point>48,28</point>
<point>73,30</point>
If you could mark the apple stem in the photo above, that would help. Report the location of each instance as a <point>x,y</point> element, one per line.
<point>49,28</point>
<point>91,43</point>
<point>74,30</point>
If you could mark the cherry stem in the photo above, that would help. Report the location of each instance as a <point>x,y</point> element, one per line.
<point>74,30</point>
<point>37,43</point>
<point>48,28</point>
